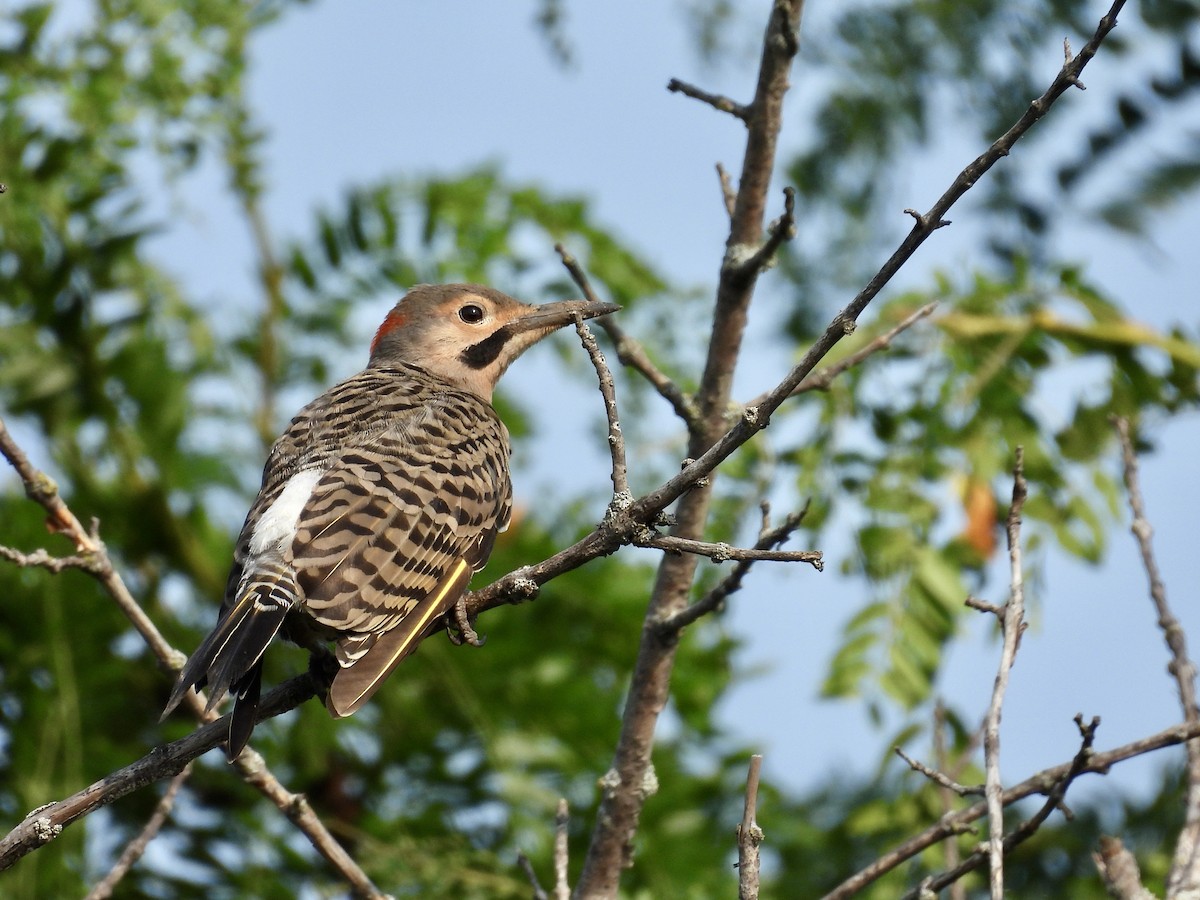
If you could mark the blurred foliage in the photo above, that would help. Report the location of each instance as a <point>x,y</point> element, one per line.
<point>149,405</point>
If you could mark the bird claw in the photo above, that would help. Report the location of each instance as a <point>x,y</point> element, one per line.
<point>460,630</point>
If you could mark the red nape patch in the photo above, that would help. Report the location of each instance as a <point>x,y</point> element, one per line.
<point>395,319</point>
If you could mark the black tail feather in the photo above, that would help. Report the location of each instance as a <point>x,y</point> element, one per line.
<point>245,711</point>
<point>232,657</point>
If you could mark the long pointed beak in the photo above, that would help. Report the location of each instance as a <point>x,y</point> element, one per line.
<point>549,316</point>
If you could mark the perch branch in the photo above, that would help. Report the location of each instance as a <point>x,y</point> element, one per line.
<point>250,764</point>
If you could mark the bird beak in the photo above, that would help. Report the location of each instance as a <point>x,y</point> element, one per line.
<point>549,316</point>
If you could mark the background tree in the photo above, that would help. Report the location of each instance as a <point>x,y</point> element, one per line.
<point>132,390</point>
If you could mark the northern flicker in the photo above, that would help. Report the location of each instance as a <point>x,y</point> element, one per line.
<point>379,502</point>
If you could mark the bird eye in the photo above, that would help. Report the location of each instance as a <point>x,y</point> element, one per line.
<point>471,314</point>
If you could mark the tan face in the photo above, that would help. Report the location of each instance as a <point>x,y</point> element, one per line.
<point>468,334</point>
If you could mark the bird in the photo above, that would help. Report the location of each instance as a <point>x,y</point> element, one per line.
<point>378,502</point>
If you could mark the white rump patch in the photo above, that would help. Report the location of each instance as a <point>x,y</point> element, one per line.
<point>277,527</point>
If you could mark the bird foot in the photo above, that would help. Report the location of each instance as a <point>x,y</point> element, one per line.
<point>459,627</point>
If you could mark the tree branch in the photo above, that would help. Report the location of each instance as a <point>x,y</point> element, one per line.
<point>1041,783</point>
<point>939,778</point>
<point>616,438</point>
<point>629,351</point>
<point>135,848</point>
<point>1119,871</point>
<point>768,539</point>
<point>47,822</point>
<point>822,379</point>
<point>631,778</point>
<point>1027,828</point>
<point>1184,876</point>
<point>1013,624</point>
<point>716,101</point>
<point>749,835</point>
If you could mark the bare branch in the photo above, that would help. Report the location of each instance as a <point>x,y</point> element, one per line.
<point>784,229</point>
<point>522,583</point>
<point>716,101</point>
<point>749,835</point>
<point>985,606</point>
<point>939,778</point>
<point>714,600</point>
<point>629,351</point>
<point>40,559</point>
<point>608,390</point>
<point>822,379</point>
<point>539,892</point>
<point>1027,828</point>
<point>728,194</point>
<point>1119,871</point>
<point>724,552</point>
<point>1013,623</point>
<point>632,773</point>
<point>1184,876</point>
<point>47,822</point>
<point>41,488</point>
<point>1045,782</point>
<point>135,848</point>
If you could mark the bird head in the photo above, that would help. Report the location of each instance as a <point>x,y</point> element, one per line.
<point>469,334</point>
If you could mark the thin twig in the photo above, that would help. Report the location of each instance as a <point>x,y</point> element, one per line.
<point>1013,622</point>
<point>562,819</point>
<point>749,835</point>
<point>40,559</point>
<point>608,390</point>
<point>783,229</point>
<point>1046,782</point>
<point>135,848</point>
<point>939,778</point>
<point>1026,829</point>
<point>716,101</point>
<point>539,892</point>
<point>823,378</point>
<point>945,794</point>
<point>1184,876</point>
<point>728,194</point>
<point>721,552</point>
<point>629,351</point>
<point>41,488</point>
<point>768,538</point>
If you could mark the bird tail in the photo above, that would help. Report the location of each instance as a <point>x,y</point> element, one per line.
<point>230,658</point>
